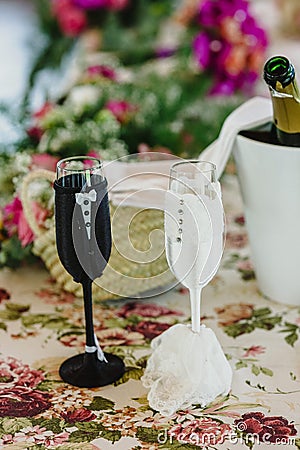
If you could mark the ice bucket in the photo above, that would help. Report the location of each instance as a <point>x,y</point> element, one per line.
<point>269,178</point>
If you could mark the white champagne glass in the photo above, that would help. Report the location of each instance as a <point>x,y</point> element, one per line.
<point>194,228</point>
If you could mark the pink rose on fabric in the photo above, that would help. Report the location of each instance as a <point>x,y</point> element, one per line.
<point>273,429</point>
<point>23,402</point>
<point>150,329</point>
<point>121,109</point>
<point>201,432</point>
<point>236,240</point>
<point>146,310</point>
<point>254,350</point>
<point>118,336</point>
<point>15,373</point>
<point>44,161</point>
<point>78,415</point>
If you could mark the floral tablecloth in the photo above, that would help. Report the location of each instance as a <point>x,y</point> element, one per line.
<point>41,326</point>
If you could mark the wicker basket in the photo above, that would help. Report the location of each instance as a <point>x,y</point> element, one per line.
<point>137,267</point>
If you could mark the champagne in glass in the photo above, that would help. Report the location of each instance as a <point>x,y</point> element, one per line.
<point>194,226</point>
<point>83,239</point>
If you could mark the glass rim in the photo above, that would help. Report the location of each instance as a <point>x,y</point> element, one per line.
<point>99,164</point>
<point>195,161</point>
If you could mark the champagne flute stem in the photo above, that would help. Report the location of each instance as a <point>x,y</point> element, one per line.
<point>88,312</point>
<point>195,299</point>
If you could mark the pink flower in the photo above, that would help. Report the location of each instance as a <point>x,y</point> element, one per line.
<point>43,111</point>
<point>90,4</point>
<point>245,264</point>
<point>73,340</point>
<point>121,109</point>
<point>118,336</point>
<point>57,439</point>
<point>117,5</point>
<point>201,47</point>
<point>15,222</point>
<point>146,310</point>
<point>236,240</point>
<point>149,329</point>
<point>35,132</point>
<point>56,297</point>
<point>200,432</point>
<point>44,161</point>
<point>7,439</point>
<point>240,219</point>
<point>23,402</point>
<point>103,71</point>
<point>78,415</point>
<point>254,350</point>
<point>14,373</point>
<point>59,5</point>
<point>245,267</point>
<point>230,45</point>
<point>273,429</point>
<point>108,337</point>
<point>72,20</point>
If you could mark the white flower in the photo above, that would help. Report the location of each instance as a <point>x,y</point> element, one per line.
<point>38,188</point>
<point>81,96</point>
<point>21,162</point>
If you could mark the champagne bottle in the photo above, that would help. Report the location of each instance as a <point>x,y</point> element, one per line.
<point>279,74</point>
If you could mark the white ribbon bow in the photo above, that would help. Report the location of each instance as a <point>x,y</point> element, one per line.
<point>94,348</point>
<point>82,196</point>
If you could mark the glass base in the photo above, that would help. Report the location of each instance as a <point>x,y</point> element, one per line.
<point>87,371</point>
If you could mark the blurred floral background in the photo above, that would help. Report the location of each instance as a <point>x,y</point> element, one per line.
<point>112,77</point>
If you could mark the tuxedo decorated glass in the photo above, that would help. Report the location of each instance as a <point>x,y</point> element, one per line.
<point>83,239</point>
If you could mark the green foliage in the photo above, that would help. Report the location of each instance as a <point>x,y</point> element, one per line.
<point>260,318</point>
<point>133,373</point>
<point>101,404</point>
<point>12,253</point>
<point>111,435</point>
<point>9,315</point>
<point>12,426</point>
<point>16,307</point>
<point>80,436</point>
<point>51,321</point>
<point>55,424</point>
<point>293,331</point>
<point>148,434</point>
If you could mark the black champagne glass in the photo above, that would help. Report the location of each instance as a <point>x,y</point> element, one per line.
<point>83,240</point>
